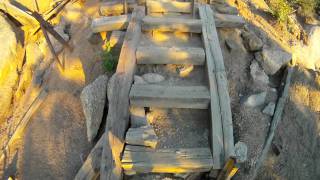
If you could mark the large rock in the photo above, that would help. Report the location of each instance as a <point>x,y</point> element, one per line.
<point>255,99</point>
<point>11,60</point>
<point>241,151</point>
<point>272,59</point>
<point>260,78</point>
<point>308,55</point>
<point>252,41</point>
<point>93,99</point>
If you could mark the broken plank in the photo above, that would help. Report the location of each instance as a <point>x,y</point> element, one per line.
<point>111,23</point>
<point>170,55</point>
<point>171,24</point>
<point>221,79</point>
<point>145,160</point>
<point>165,6</point>
<point>228,21</point>
<point>90,168</point>
<point>143,136</point>
<point>195,97</point>
<point>216,136</point>
<point>118,91</point>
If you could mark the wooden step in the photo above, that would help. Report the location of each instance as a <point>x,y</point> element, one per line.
<point>194,97</point>
<point>170,55</point>
<point>111,23</point>
<point>143,136</point>
<point>144,160</point>
<point>165,6</point>
<point>171,24</point>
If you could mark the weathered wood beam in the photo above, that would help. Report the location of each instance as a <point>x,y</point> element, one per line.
<point>195,97</point>
<point>221,78</point>
<point>216,136</point>
<point>171,24</point>
<point>143,136</point>
<point>118,91</point>
<point>164,6</point>
<point>90,168</point>
<point>110,23</point>
<point>114,8</point>
<point>170,55</point>
<point>116,39</point>
<point>144,160</point>
<point>228,21</point>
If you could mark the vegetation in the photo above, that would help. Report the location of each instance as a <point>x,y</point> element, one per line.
<point>281,9</point>
<point>109,58</point>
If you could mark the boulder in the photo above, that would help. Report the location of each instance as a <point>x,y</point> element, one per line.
<point>153,77</point>
<point>241,151</point>
<point>272,59</point>
<point>93,98</point>
<point>252,41</point>
<point>255,99</point>
<point>11,61</point>
<point>269,109</point>
<point>260,78</point>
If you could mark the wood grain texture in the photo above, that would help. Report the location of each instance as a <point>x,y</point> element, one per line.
<point>111,23</point>
<point>228,21</point>
<point>118,96</point>
<point>167,24</point>
<point>164,6</point>
<point>143,136</point>
<point>216,135</point>
<point>144,160</point>
<point>170,55</point>
<point>194,97</point>
<point>115,7</point>
<point>221,79</point>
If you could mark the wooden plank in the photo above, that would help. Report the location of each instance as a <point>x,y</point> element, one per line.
<point>110,23</point>
<point>275,121</point>
<point>90,168</point>
<point>114,8</point>
<point>116,39</point>
<point>170,55</point>
<point>118,91</point>
<point>195,97</point>
<point>171,24</point>
<point>221,80</point>
<point>145,160</point>
<point>215,112</point>
<point>165,6</point>
<point>228,21</point>
<point>144,136</point>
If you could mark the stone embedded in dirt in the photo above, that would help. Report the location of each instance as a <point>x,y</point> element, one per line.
<point>185,70</point>
<point>272,95</point>
<point>153,77</point>
<point>241,151</point>
<point>272,59</point>
<point>255,100</point>
<point>269,109</point>
<point>139,80</point>
<point>258,75</point>
<point>93,98</point>
<point>252,41</point>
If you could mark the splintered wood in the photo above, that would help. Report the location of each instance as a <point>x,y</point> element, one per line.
<point>143,160</point>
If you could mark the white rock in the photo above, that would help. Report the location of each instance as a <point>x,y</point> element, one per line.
<point>153,77</point>
<point>269,109</point>
<point>255,100</point>
<point>273,59</point>
<point>93,99</point>
<point>241,151</point>
<point>139,80</point>
<point>258,75</point>
<point>308,56</point>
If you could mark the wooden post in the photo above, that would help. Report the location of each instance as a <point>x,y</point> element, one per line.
<point>118,96</point>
